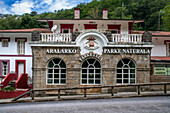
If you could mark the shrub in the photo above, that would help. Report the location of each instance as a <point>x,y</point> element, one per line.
<point>9,88</point>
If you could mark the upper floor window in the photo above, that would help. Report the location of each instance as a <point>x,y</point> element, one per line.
<point>4,42</point>
<point>91,72</point>
<point>126,72</point>
<point>4,68</point>
<point>66,31</point>
<point>56,71</point>
<point>66,28</point>
<point>114,29</point>
<point>21,46</point>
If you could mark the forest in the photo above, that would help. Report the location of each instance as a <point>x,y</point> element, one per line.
<point>156,14</point>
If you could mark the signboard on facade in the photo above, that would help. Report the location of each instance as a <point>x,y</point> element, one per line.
<point>126,51</point>
<point>82,57</point>
<point>168,70</point>
<point>61,50</point>
<point>160,70</point>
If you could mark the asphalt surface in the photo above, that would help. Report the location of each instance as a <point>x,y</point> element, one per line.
<point>122,105</point>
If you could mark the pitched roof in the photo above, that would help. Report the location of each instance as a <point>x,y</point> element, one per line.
<point>26,30</point>
<point>126,20</point>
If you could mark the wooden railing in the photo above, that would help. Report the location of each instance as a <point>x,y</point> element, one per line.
<point>134,38</point>
<point>56,37</point>
<point>138,86</point>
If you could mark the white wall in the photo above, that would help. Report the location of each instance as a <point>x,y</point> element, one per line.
<point>124,28</point>
<point>12,63</point>
<point>159,48</point>
<point>101,24</point>
<point>12,48</point>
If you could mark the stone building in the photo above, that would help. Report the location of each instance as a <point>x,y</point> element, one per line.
<point>90,52</point>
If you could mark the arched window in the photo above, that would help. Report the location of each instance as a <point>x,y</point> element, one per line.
<point>91,72</point>
<point>56,72</point>
<point>126,72</point>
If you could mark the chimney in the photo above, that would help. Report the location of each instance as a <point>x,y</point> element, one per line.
<point>105,13</point>
<point>76,13</point>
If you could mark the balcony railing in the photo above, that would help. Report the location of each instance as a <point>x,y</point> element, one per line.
<point>133,38</point>
<point>67,37</point>
<point>59,37</point>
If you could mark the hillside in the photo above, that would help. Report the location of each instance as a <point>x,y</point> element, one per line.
<point>154,12</point>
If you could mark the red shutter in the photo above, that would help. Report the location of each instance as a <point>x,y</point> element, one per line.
<point>50,24</point>
<point>90,26</point>
<point>130,24</point>
<point>67,26</point>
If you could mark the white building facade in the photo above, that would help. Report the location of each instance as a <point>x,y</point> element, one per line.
<point>15,51</point>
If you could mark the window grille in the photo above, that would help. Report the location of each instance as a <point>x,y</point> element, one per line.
<point>56,72</point>
<point>91,72</point>
<point>21,46</point>
<point>126,72</point>
<point>4,68</point>
<point>4,42</point>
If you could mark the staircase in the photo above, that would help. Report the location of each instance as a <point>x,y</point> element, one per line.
<point>12,83</point>
<point>10,80</point>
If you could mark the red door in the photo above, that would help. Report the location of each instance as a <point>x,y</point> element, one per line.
<point>20,67</point>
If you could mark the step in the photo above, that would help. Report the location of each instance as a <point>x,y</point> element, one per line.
<point>12,83</point>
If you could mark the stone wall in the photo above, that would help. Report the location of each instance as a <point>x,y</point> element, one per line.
<point>73,67</point>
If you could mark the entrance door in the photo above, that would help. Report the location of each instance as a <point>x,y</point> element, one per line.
<point>20,68</point>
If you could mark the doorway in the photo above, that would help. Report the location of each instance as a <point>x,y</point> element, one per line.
<point>20,67</point>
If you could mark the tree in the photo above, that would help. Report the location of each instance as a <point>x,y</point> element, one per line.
<point>28,21</point>
<point>10,22</point>
<point>166,17</point>
<point>33,13</point>
<point>148,10</point>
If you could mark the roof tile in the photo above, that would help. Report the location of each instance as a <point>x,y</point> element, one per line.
<point>27,30</point>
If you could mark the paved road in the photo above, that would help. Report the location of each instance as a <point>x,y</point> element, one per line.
<point>121,105</point>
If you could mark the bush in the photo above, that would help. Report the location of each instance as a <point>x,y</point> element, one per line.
<point>8,89</point>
